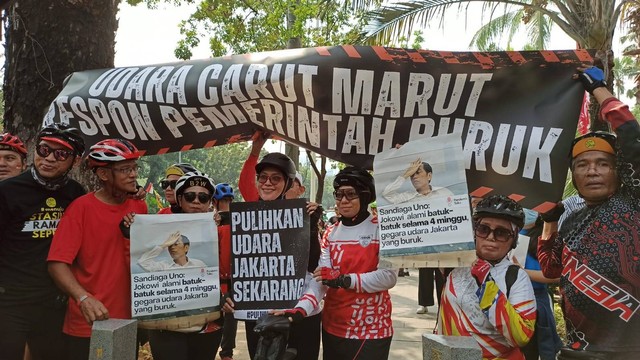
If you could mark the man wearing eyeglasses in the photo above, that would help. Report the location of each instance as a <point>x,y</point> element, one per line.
<point>89,255</point>
<point>31,205</point>
<point>420,174</point>
<point>596,252</point>
<point>493,301</point>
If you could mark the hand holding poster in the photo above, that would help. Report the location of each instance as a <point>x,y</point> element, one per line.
<point>174,270</point>
<point>269,255</point>
<point>423,205</point>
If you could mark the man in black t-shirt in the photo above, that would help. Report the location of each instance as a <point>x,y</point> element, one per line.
<point>31,204</point>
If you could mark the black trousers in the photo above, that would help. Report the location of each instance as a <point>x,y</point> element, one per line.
<point>39,325</point>
<point>229,331</point>
<point>174,345</point>
<point>252,337</point>
<point>426,278</point>
<point>77,348</point>
<point>337,348</point>
<point>304,336</point>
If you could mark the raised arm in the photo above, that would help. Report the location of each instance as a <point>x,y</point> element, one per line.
<point>247,181</point>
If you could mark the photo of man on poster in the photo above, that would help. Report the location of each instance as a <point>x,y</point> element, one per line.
<point>423,206</point>
<point>178,246</point>
<point>420,173</point>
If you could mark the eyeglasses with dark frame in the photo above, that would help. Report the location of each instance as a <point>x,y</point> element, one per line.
<point>500,234</point>
<point>350,194</point>
<point>126,170</point>
<point>275,179</point>
<point>45,150</point>
<point>168,183</point>
<point>202,197</point>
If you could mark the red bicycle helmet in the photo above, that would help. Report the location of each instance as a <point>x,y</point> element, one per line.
<point>110,151</point>
<point>13,143</point>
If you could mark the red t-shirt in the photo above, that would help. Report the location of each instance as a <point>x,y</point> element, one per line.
<point>224,254</point>
<point>89,239</point>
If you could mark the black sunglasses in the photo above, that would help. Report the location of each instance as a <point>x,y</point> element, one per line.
<point>350,194</point>
<point>166,183</point>
<point>274,179</point>
<point>499,234</point>
<point>202,197</point>
<point>45,150</point>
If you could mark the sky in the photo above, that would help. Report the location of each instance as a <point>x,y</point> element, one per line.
<point>147,37</point>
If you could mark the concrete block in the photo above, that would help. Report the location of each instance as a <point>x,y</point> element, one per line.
<point>440,347</point>
<point>114,339</point>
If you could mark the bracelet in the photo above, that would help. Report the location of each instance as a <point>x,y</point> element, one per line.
<point>82,298</point>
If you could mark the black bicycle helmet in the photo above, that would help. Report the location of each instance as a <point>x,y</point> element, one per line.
<point>359,178</point>
<point>279,161</point>
<point>65,135</point>
<point>223,190</point>
<point>500,206</point>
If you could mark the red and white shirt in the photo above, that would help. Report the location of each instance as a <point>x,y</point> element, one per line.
<point>364,310</point>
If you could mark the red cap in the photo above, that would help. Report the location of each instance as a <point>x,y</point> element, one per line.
<point>58,141</point>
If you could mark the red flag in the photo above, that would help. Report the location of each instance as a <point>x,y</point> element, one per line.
<point>159,200</point>
<point>583,119</point>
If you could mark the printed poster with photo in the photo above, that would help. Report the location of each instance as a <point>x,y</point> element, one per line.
<point>174,269</point>
<point>269,255</point>
<point>422,197</point>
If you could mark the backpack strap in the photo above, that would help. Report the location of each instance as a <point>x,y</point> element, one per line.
<point>511,277</point>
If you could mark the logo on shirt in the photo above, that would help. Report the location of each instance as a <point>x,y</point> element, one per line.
<point>51,202</point>
<point>365,240</point>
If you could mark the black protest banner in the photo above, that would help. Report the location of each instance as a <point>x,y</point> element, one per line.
<point>269,255</point>
<point>517,111</point>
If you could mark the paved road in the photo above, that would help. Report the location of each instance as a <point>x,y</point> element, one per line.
<point>408,326</point>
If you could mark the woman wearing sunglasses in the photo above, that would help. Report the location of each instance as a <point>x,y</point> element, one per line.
<point>356,320</point>
<point>497,309</point>
<point>194,191</point>
<point>168,185</point>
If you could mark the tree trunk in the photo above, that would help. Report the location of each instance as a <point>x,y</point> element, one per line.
<point>604,60</point>
<point>292,151</point>
<point>46,42</point>
<point>321,174</point>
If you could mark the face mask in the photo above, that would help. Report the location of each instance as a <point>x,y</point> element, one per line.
<point>530,217</point>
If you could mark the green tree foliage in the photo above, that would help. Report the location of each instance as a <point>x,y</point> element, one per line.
<point>591,24</point>
<point>247,26</point>
<point>222,163</point>
<point>624,68</point>
<point>506,26</point>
